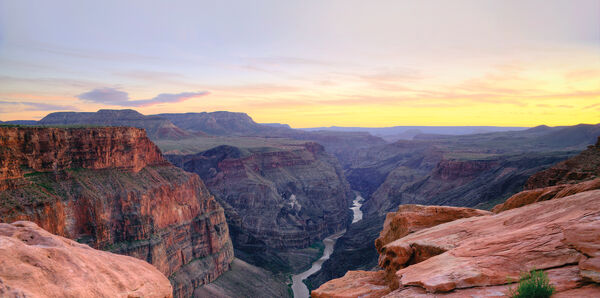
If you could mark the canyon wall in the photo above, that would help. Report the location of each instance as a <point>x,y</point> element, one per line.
<point>111,188</point>
<point>436,251</point>
<point>479,171</point>
<point>584,166</point>
<point>275,198</point>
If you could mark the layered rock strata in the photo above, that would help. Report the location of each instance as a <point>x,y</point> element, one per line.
<point>585,166</point>
<point>279,198</point>
<point>112,189</point>
<point>577,174</point>
<point>29,150</point>
<point>36,263</point>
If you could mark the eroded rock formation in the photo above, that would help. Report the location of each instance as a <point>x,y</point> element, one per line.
<point>156,127</point>
<point>36,263</point>
<point>411,218</point>
<point>577,174</point>
<point>278,197</point>
<point>585,166</point>
<point>112,189</point>
<point>35,149</point>
<point>555,228</point>
<point>476,254</point>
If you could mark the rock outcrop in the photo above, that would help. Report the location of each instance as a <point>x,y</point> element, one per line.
<point>36,263</point>
<point>527,197</point>
<point>477,171</point>
<point>367,284</point>
<point>35,149</point>
<point>577,174</point>
<point>555,228</point>
<point>476,255</point>
<point>112,189</point>
<point>412,218</point>
<point>276,197</point>
<point>585,166</point>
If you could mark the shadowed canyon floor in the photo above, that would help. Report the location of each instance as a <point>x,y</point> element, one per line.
<point>298,287</point>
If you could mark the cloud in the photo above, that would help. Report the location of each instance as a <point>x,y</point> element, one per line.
<point>282,60</point>
<point>112,96</point>
<point>12,106</point>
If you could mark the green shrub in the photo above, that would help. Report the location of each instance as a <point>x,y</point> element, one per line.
<point>534,284</point>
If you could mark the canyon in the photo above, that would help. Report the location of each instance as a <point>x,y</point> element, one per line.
<point>276,199</point>
<point>270,195</point>
<point>478,171</point>
<point>429,251</point>
<point>111,188</point>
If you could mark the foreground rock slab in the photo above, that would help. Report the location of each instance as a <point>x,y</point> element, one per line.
<point>35,263</point>
<point>484,251</point>
<point>365,284</point>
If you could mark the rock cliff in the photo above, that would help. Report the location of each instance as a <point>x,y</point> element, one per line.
<point>577,174</point>
<point>478,255</point>
<point>585,166</point>
<point>276,198</point>
<point>36,263</point>
<point>429,251</point>
<point>112,189</point>
<point>29,150</point>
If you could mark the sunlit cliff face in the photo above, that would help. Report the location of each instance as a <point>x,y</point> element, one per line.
<point>340,63</point>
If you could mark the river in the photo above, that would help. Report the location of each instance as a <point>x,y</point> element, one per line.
<point>298,287</point>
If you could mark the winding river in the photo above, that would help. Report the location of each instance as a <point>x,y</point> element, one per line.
<point>298,287</point>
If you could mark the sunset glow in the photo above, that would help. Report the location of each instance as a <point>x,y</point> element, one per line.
<point>344,63</point>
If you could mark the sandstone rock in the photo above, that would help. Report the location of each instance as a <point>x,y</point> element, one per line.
<point>483,251</point>
<point>366,284</point>
<point>111,188</point>
<point>592,290</point>
<point>475,256</point>
<point>411,218</point>
<point>35,149</point>
<point>36,263</point>
<point>547,193</point>
<point>585,238</point>
<point>577,174</point>
<point>566,281</point>
<point>584,166</point>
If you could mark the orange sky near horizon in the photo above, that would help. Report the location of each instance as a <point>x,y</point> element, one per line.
<point>333,63</point>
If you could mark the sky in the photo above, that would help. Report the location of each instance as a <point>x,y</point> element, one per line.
<point>307,63</point>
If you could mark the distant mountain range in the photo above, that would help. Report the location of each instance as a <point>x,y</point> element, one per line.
<point>220,123</point>
<point>395,133</point>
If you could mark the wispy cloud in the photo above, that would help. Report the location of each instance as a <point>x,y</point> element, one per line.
<point>12,106</point>
<point>282,60</point>
<point>112,96</point>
